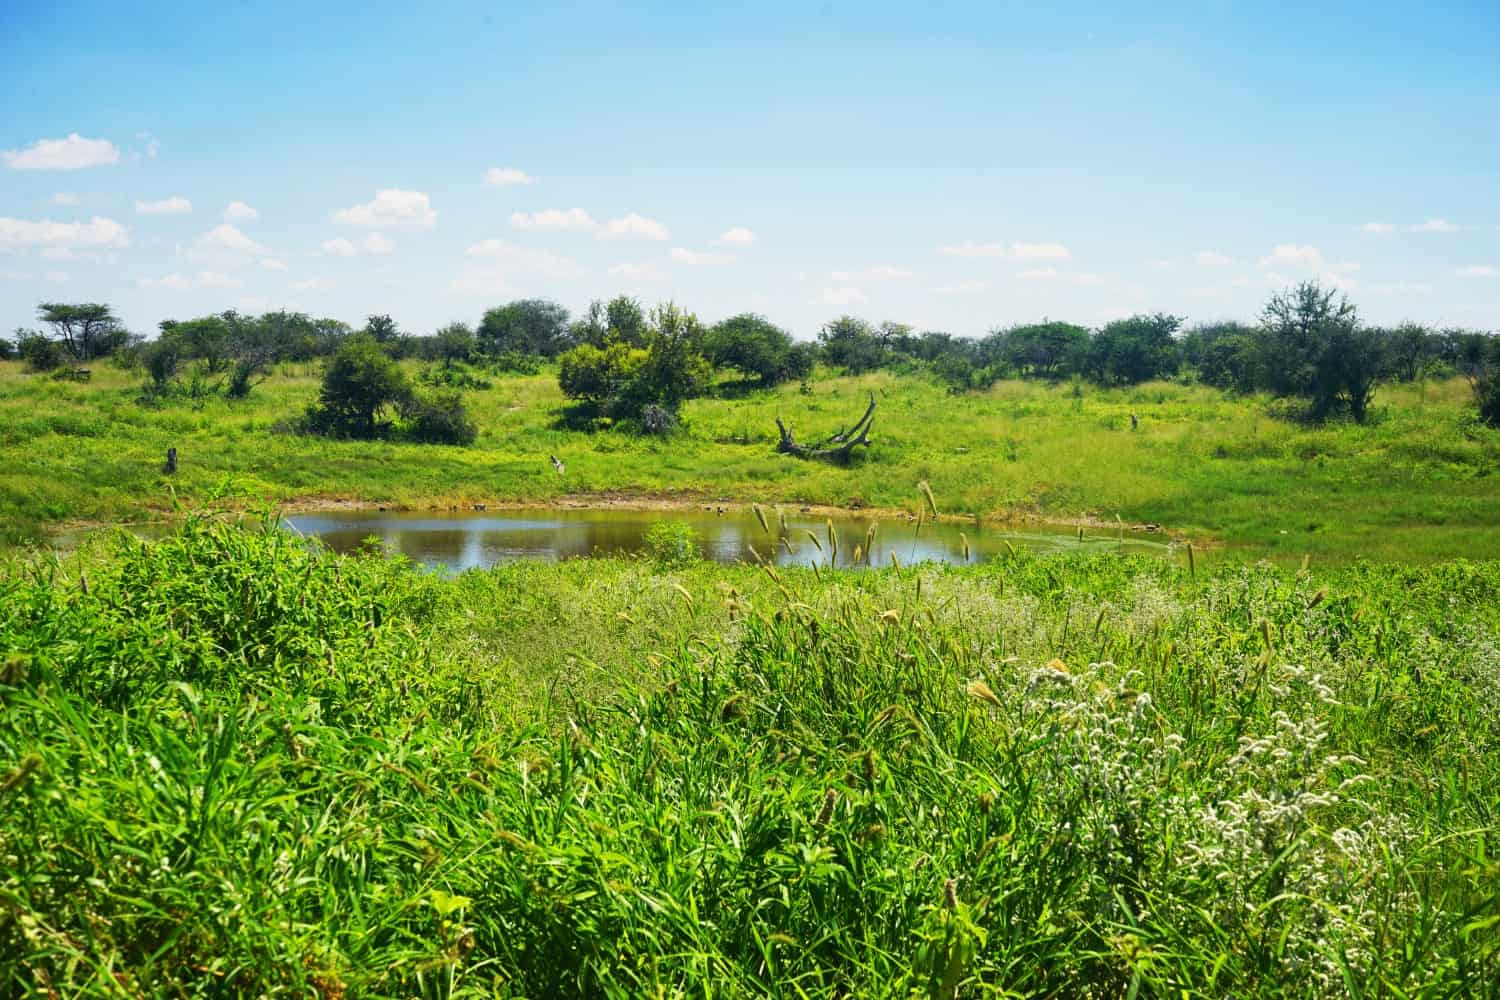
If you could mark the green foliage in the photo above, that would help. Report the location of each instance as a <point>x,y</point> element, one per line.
<point>1135,350</point>
<point>438,418</point>
<point>852,345</point>
<point>361,384</point>
<point>526,326</point>
<point>233,764</point>
<point>621,319</point>
<point>758,349</point>
<point>1049,350</point>
<point>516,363</point>
<point>41,353</point>
<point>597,374</point>
<point>1312,346</point>
<point>672,544</point>
<point>88,330</point>
<point>620,381</point>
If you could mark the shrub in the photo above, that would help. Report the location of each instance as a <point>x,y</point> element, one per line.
<point>672,543</point>
<point>516,363</point>
<point>439,418</point>
<point>657,420</point>
<point>41,354</point>
<point>360,384</point>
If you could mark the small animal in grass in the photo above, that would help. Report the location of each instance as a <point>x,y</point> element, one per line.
<point>557,464</point>
<point>1135,422</point>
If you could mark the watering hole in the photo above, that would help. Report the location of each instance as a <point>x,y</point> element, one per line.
<point>474,540</point>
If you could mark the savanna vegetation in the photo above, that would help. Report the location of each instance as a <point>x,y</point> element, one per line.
<point>235,764</point>
<point>1307,432</point>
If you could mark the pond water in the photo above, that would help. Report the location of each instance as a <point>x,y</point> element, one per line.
<point>472,539</point>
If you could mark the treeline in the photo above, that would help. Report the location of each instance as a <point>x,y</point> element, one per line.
<point>622,362</point>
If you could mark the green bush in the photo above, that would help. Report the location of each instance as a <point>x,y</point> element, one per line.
<point>672,543</point>
<point>439,418</point>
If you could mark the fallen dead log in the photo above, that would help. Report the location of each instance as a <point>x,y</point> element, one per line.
<point>836,447</point>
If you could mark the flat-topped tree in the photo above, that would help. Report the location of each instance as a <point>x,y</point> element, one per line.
<point>89,329</point>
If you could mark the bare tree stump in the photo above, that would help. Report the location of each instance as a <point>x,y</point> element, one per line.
<point>836,447</point>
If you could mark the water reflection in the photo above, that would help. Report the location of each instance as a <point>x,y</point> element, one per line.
<point>468,540</point>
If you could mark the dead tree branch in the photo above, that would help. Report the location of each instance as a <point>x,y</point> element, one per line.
<point>836,447</point>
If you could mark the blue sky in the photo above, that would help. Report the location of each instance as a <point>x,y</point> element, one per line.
<point>955,166</point>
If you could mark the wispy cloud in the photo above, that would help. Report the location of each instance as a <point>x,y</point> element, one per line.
<point>554,220</point>
<point>238,211</point>
<point>374,244</point>
<point>642,271</point>
<point>738,236</point>
<point>634,227</point>
<point>1478,271</point>
<point>1377,228</point>
<point>175,205</point>
<point>1434,226</point>
<point>695,257</point>
<point>507,177</point>
<point>842,296</point>
<point>1012,251</point>
<point>877,272</point>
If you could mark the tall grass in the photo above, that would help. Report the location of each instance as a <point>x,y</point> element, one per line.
<point>231,764</point>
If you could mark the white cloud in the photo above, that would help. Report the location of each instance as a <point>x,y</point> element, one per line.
<point>310,285</point>
<point>634,227</point>
<point>1162,266</point>
<point>1038,274</point>
<point>1308,258</point>
<point>1434,226</point>
<point>272,264</point>
<point>214,279</point>
<point>1377,228</point>
<point>174,282</point>
<point>67,198</point>
<point>962,288</point>
<point>374,243</point>
<point>694,257</point>
<point>501,262</point>
<point>483,281</point>
<point>97,233</point>
<point>520,260</point>
<point>644,271</point>
<point>878,272</point>
<point>1086,279</point>
<point>739,236</point>
<point>175,205</point>
<point>391,208</point>
<point>507,176</point>
<point>73,153</point>
<point>1479,271</point>
<point>227,237</point>
<point>152,148</point>
<point>238,211</point>
<point>1211,258</point>
<point>842,296</point>
<point>178,282</point>
<point>1015,251</point>
<point>555,219</point>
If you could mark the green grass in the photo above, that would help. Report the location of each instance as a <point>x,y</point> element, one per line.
<point>1417,483</point>
<point>232,765</point>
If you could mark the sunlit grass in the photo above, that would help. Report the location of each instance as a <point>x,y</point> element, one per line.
<point>233,765</point>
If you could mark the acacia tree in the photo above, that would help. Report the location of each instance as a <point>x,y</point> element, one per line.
<point>88,329</point>
<point>758,348</point>
<point>1312,346</point>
